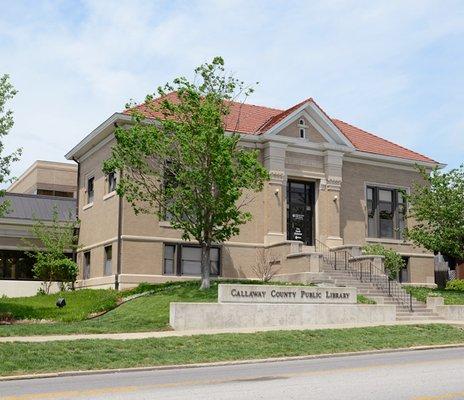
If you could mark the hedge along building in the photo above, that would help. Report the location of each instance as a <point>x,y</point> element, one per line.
<point>330,182</point>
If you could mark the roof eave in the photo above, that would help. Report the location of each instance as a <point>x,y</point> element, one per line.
<point>97,135</point>
<point>397,160</point>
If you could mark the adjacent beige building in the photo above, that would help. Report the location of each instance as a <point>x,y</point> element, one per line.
<point>47,178</point>
<point>331,183</point>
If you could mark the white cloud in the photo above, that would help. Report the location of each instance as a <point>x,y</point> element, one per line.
<point>375,64</point>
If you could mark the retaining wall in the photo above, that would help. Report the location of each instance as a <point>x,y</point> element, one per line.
<point>186,316</point>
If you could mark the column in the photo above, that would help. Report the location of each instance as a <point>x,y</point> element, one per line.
<point>274,196</point>
<point>329,199</point>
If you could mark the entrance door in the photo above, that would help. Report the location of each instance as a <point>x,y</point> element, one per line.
<point>300,211</point>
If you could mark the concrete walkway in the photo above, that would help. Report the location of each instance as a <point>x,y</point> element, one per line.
<point>163,334</point>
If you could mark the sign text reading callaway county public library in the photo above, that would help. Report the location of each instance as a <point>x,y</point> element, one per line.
<point>230,293</point>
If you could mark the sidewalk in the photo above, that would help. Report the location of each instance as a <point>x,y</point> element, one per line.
<point>163,334</point>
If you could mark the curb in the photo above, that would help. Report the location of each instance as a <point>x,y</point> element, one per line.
<point>227,363</point>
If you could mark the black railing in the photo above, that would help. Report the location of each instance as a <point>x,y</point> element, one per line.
<point>364,270</point>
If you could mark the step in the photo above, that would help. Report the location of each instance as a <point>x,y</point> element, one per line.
<point>418,318</point>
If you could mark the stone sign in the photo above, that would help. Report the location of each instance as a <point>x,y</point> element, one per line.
<point>236,293</point>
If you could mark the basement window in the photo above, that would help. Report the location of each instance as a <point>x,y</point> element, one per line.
<point>107,269</point>
<point>86,269</point>
<point>186,260</point>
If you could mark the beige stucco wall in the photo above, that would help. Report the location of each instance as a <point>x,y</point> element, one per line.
<point>340,215</point>
<point>353,222</point>
<point>99,221</point>
<point>47,175</point>
<point>293,130</point>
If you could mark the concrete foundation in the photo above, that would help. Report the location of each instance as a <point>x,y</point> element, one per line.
<point>185,316</point>
<point>451,313</point>
<point>17,288</point>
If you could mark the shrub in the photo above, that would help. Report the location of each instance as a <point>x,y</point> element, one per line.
<point>393,260</point>
<point>455,284</point>
<point>266,266</point>
<point>62,270</point>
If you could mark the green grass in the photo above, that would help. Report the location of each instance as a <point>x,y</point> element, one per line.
<point>364,300</point>
<point>21,358</point>
<point>450,296</point>
<point>147,313</point>
<point>80,304</point>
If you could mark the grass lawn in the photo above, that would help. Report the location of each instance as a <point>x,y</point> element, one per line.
<point>21,358</point>
<point>80,304</point>
<point>147,313</point>
<point>450,296</point>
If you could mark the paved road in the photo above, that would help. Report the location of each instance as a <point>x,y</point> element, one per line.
<point>418,375</point>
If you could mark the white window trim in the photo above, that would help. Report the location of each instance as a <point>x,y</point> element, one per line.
<point>87,206</point>
<point>109,195</point>
<point>89,175</point>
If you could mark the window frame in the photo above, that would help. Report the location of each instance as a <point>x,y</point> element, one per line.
<point>396,225</point>
<point>302,128</point>
<point>105,260</point>
<point>177,259</point>
<point>109,181</point>
<point>89,199</point>
<point>86,264</point>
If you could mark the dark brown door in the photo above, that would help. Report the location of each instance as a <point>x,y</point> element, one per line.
<point>300,211</point>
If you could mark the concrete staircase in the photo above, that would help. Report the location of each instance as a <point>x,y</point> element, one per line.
<point>341,277</point>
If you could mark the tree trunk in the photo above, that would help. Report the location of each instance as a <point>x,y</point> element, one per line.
<point>205,265</point>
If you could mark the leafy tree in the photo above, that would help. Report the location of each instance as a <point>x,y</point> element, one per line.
<point>53,241</point>
<point>393,261</point>
<point>437,209</point>
<point>184,166</point>
<point>7,92</point>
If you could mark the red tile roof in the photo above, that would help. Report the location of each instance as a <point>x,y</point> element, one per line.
<point>370,143</point>
<point>256,120</point>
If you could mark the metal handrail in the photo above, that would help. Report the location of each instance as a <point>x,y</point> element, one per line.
<point>364,270</point>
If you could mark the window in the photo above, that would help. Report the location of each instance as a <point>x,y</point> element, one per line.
<point>111,182</point>
<point>86,270</point>
<point>44,192</point>
<point>302,128</point>
<point>169,252</point>
<point>15,264</point>
<point>403,274</point>
<point>57,193</point>
<point>186,260</point>
<point>107,268</point>
<point>90,189</point>
<point>386,212</point>
<point>169,185</point>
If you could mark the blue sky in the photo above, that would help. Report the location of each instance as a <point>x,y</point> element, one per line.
<point>395,68</point>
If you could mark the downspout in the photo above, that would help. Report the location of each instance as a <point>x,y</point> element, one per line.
<point>119,262</point>
<point>76,231</point>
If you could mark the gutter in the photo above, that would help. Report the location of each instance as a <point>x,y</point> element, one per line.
<point>76,232</point>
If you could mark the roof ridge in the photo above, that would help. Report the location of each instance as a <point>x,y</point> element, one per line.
<point>289,110</point>
<point>382,138</point>
<point>256,105</point>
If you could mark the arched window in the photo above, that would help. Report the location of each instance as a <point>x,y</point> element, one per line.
<point>302,133</point>
<point>301,122</point>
